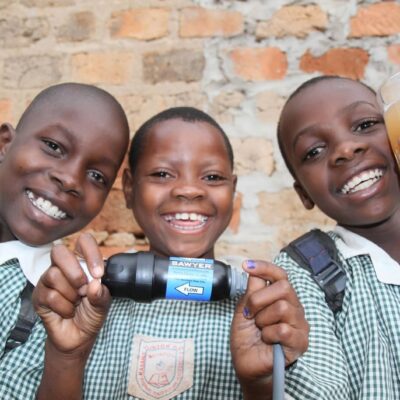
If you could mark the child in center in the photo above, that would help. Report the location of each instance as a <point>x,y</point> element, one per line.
<point>180,187</point>
<point>333,138</point>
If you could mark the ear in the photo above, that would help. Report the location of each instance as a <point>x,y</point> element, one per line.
<point>127,187</point>
<point>304,197</point>
<point>7,134</point>
<point>234,183</point>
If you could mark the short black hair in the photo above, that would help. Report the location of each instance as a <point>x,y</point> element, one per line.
<point>303,86</point>
<point>188,114</point>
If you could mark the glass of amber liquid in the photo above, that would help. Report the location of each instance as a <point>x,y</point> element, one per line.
<point>389,99</point>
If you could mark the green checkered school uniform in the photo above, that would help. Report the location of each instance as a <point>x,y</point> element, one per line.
<point>355,354</point>
<point>107,370</point>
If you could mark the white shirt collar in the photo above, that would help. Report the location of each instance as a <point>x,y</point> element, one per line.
<point>386,268</point>
<point>33,260</point>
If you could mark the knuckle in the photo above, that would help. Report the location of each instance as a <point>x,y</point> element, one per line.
<point>285,332</point>
<point>51,276</point>
<point>283,307</point>
<point>251,302</point>
<point>51,297</point>
<point>285,287</point>
<point>285,276</point>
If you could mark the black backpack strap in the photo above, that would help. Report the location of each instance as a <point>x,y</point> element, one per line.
<point>316,252</point>
<point>26,319</point>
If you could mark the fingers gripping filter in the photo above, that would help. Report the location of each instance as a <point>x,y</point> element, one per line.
<point>145,277</point>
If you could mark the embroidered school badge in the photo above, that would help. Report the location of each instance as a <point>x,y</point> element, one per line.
<point>161,368</point>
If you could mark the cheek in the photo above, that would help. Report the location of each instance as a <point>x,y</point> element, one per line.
<point>225,202</point>
<point>94,202</point>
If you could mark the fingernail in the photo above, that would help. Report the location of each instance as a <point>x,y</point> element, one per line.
<point>246,312</point>
<point>82,290</point>
<point>97,271</point>
<point>250,264</point>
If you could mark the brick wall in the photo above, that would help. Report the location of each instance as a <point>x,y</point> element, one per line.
<point>237,60</point>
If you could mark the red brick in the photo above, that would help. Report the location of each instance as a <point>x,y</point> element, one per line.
<point>296,21</point>
<point>115,217</point>
<point>184,65</point>
<point>140,23</point>
<point>379,19</point>
<point>259,64</point>
<point>235,220</point>
<point>112,68</point>
<point>77,27</point>
<point>5,110</point>
<point>199,22</point>
<point>394,53</point>
<point>349,63</point>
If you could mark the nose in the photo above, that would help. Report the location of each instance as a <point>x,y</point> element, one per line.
<point>348,150</point>
<point>68,180</point>
<point>188,190</point>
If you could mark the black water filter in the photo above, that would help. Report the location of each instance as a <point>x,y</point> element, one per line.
<point>145,277</point>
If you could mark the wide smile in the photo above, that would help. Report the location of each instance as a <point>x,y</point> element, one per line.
<point>46,206</point>
<point>362,181</point>
<point>186,221</point>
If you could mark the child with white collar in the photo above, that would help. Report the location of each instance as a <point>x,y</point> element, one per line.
<point>333,138</point>
<point>56,170</point>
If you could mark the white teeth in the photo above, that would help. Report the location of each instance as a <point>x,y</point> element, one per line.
<point>362,181</point>
<point>184,216</point>
<point>193,217</point>
<point>46,206</point>
<point>187,217</point>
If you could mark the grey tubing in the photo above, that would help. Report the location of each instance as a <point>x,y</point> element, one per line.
<point>238,282</point>
<point>278,374</point>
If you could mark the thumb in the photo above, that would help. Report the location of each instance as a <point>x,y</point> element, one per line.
<point>99,296</point>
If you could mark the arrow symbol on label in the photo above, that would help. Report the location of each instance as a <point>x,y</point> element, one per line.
<point>186,289</point>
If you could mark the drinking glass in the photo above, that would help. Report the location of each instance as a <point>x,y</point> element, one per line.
<point>389,99</point>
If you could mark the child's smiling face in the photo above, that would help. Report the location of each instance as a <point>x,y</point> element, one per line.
<point>183,187</point>
<point>56,172</point>
<point>334,138</point>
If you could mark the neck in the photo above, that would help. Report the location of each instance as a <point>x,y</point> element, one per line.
<point>5,234</point>
<point>209,254</point>
<point>386,235</point>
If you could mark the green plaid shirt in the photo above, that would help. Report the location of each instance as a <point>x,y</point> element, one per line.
<point>357,354</point>
<point>107,370</point>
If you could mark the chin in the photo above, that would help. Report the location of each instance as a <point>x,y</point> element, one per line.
<point>189,253</point>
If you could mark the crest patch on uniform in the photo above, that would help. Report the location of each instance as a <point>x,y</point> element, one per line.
<point>161,368</point>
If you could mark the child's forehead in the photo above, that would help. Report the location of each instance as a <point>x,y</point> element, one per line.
<point>329,95</point>
<point>184,125</point>
<point>332,90</point>
<point>178,130</point>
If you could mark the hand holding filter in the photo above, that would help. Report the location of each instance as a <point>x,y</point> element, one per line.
<point>144,277</point>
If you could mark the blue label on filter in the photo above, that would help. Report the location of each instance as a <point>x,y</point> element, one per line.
<point>190,279</point>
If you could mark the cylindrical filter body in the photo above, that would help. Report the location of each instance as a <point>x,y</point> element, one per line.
<point>145,277</point>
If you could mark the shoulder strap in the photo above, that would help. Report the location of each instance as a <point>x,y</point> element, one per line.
<point>316,252</point>
<point>26,319</point>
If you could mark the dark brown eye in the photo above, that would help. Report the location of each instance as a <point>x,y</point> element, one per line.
<point>312,153</point>
<point>365,124</point>
<point>53,146</point>
<point>97,176</point>
<point>161,174</point>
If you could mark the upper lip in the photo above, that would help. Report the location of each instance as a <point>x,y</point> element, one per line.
<point>59,203</point>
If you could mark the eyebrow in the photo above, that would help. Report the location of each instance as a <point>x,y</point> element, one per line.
<point>349,107</point>
<point>67,132</point>
<point>71,136</point>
